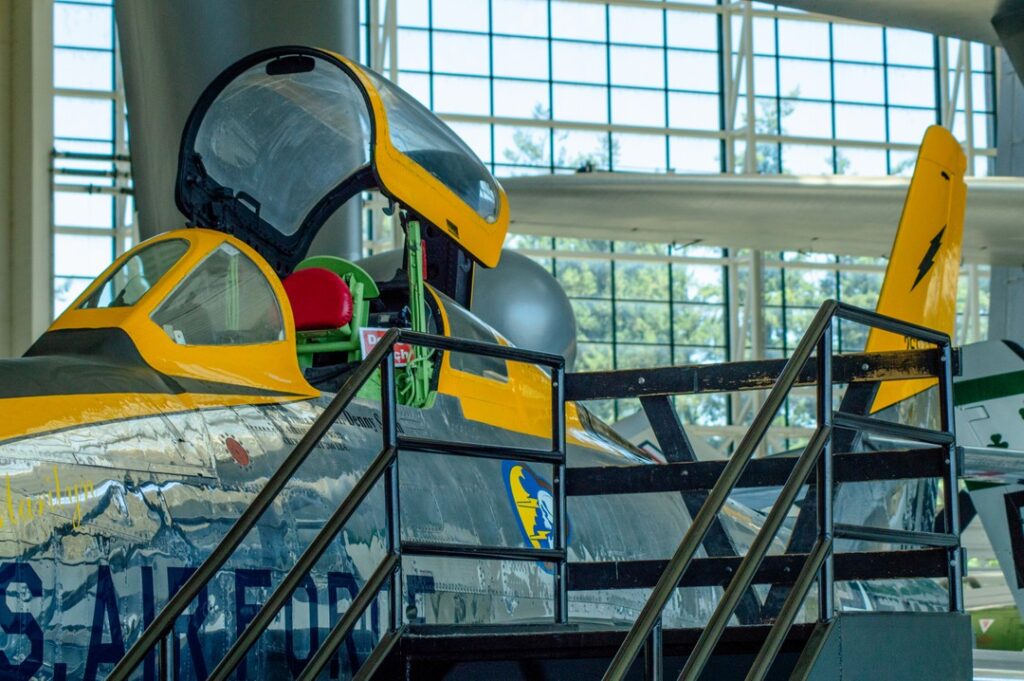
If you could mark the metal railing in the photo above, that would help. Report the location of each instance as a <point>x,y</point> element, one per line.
<point>383,467</point>
<point>816,455</point>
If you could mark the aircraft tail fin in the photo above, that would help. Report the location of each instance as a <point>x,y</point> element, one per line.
<point>1001,510</point>
<point>924,264</point>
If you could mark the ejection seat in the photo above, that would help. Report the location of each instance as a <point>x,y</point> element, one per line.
<point>329,298</point>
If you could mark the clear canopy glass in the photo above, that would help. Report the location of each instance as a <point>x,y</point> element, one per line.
<point>281,141</point>
<point>418,134</point>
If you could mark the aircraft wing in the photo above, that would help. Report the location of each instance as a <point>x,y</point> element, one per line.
<point>995,22</point>
<point>967,19</point>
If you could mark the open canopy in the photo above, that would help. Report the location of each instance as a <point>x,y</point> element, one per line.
<point>285,136</point>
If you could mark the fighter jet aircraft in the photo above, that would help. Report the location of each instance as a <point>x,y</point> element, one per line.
<point>146,418</point>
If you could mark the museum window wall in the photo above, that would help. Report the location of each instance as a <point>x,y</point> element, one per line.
<point>92,213</point>
<point>552,86</point>
<point>549,86</point>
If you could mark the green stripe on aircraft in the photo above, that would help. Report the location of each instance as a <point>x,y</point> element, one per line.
<point>988,388</point>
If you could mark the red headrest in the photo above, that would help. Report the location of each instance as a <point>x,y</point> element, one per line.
<point>320,299</point>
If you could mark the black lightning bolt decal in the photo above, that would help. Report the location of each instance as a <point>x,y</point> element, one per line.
<point>929,258</point>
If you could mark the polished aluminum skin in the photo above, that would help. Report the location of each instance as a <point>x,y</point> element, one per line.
<point>100,523</point>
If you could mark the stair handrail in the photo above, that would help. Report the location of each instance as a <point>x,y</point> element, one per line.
<point>168,615</point>
<point>748,567</point>
<point>817,451</point>
<point>384,465</point>
<point>695,534</point>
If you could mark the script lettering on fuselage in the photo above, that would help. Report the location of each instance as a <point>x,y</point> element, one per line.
<point>29,509</point>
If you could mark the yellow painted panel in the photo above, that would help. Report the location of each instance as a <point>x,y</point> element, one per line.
<point>924,266</point>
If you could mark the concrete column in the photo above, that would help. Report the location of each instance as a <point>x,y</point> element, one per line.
<point>342,234</point>
<point>172,49</point>
<point>26,137</point>
<point>1006,306</point>
<point>6,103</point>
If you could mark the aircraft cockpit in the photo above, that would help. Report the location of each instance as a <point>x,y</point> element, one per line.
<point>285,136</point>
<point>273,147</point>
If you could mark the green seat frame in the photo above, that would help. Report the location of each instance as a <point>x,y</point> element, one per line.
<point>346,338</point>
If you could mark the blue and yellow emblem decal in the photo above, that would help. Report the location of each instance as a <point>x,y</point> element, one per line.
<point>534,504</point>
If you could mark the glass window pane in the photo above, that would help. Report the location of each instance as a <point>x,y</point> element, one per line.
<point>414,49</point>
<point>644,247</point>
<point>461,53</point>
<point>225,300</point>
<point>81,167</point>
<point>697,283</point>
<point>805,79</point>
<point>593,319</point>
<point>525,146</point>
<point>685,354</point>
<point>642,356</point>
<point>578,62</point>
<point>902,163</point>
<point>689,70</point>
<point>580,103</point>
<point>414,13</point>
<point>765,82</point>
<point>689,155</point>
<point>912,87</point>
<point>852,161</point>
<point>520,17</point>
<point>639,66</point>
<point>460,15</point>
<point>81,256</point>
<point>797,321</point>
<point>764,35</point>
<point>694,112</point>
<point>697,30</point>
<point>636,25</point>
<point>803,38</point>
<point>638,107</point>
<point>641,280</point>
<point>860,122</point>
<point>642,323</point>
<point>80,26</point>
<point>908,125</point>
<point>66,290</point>
<point>584,278</point>
<point>417,85</point>
<point>582,21</point>
<point>74,209</point>
<point>83,69</point>
<point>581,148</point>
<point>909,47</point>
<point>639,153</point>
<point>807,119</point>
<point>521,58</point>
<point>702,325</point>
<point>859,83</point>
<point>125,286</point>
<point>521,99</point>
<point>768,115</point>
<point>83,118</point>
<point>461,94</point>
<point>806,159</point>
<point>857,43</point>
<point>587,245</point>
<point>477,136</point>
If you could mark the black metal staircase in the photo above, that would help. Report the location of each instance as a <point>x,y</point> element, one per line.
<point>563,649</point>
